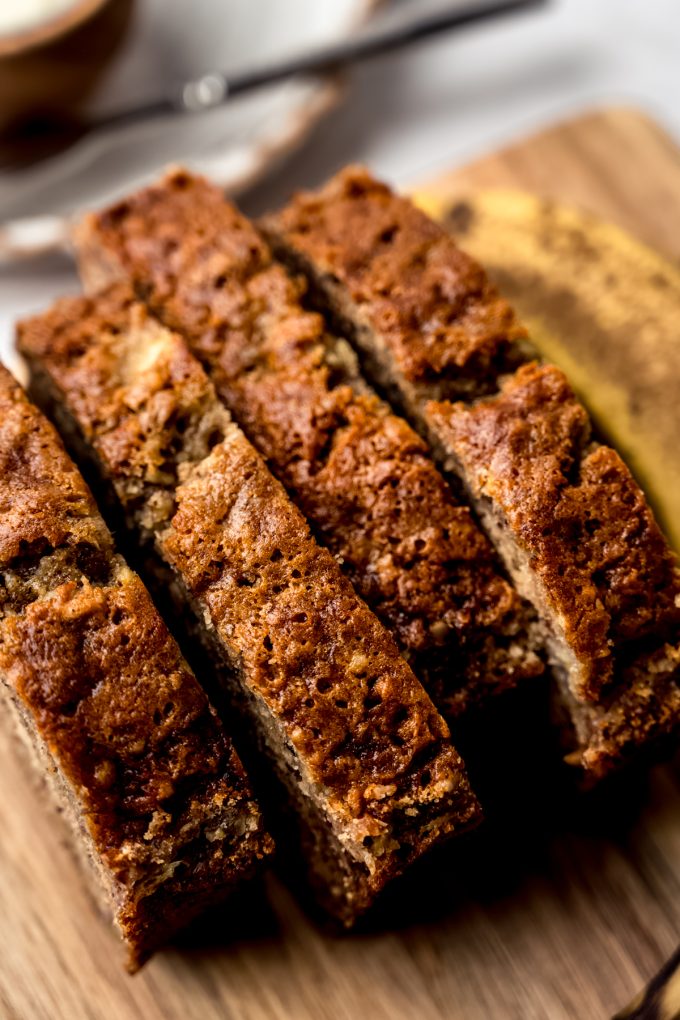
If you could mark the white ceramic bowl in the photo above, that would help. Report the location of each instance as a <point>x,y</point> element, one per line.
<point>51,56</point>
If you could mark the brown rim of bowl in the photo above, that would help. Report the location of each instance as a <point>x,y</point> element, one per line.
<point>50,29</point>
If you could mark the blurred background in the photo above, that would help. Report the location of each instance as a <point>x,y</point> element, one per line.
<point>408,114</point>
<point>418,112</point>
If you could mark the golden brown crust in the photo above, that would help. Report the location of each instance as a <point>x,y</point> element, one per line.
<point>304,639</point>
<point>138,390</point>
<point>573,527</point>
<point>82,647</point>
<point>575,509</point>
<point>441,319</point>
<point>360,474</point>
<point>366,740</point>
<point>45,506</point>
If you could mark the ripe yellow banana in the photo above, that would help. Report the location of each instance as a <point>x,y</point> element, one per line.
<point>600,304</point>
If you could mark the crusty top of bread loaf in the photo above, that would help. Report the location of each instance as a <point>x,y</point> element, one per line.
<point>365,731</point>
<point>432,328</point>
<point>432,305</point>
<point>134,387</point>
<point>359,473</point>
<point>132,732</point>
<point>50,530</point>
<point>608,573</point>
<point>357,715</point>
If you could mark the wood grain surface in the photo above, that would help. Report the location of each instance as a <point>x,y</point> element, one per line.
<point>562,908</point>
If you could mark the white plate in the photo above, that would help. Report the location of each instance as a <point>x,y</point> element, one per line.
<point>171,41</point>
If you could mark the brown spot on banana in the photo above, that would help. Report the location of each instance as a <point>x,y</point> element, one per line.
<point>600,304</point>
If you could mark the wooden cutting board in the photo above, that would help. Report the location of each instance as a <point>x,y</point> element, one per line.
<point>550,915</point>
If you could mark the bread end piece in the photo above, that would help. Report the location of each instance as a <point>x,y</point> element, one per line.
<point>157,800</point>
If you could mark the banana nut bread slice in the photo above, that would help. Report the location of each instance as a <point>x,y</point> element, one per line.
<point>370,773</point>
<point>360,474</point>
<point>570,523</point>
<point>149,782</point>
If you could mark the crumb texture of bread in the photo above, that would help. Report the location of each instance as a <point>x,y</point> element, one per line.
<point>570,523</point>
<point>350,730</point>
<point>146,774</point>
<point>360,474</point>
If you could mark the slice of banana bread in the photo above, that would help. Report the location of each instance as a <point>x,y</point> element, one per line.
<point>571,525</point>
<point>360,474</point>
<point>148,780</point>
<point>365,758</point>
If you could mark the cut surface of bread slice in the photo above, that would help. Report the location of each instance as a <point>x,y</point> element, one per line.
<point>570,523</point>
<point>360,474</point>
<point>369,770</point>
<point>148,780</point>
